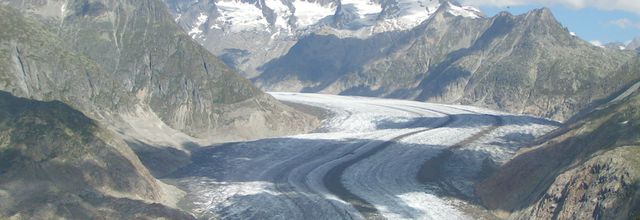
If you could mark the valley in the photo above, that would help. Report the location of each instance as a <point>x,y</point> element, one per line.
<point>366,161</point>
<point>314,109</point>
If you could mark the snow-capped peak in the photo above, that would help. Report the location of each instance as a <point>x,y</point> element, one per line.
<point>310,13</point>
<point>464,11</point>
<point>291,17</point>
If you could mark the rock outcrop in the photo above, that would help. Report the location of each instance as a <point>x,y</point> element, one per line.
<point>634,44</point>
<point>587,170</point>
<point>57,163</point>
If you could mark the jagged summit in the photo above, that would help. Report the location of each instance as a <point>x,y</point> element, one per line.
<point>284,17</point>
<point>543,15</point>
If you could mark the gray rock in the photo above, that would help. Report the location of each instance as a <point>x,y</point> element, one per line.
<point>587,170</point>
<point>615,46</point>
<point>634,44</point>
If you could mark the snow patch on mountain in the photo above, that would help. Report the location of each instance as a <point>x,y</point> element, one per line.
<point>240,16</point>
<point>411,13</point>
<point>309,13</point>
<point>249,33</point>
<point>365,11</point>
<point>417,9</point>
<point>299,15</point>
<point>464,11</point>
<point>196,30</point>
<point>283,14</point>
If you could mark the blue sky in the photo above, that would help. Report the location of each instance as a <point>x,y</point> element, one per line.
<point>590,21</point>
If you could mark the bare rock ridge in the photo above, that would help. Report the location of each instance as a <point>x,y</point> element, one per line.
<point>56,162</point>
<point>588,170</point>
<point>634,44</point>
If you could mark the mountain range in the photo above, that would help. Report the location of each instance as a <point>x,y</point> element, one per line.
<point>248,34</point>
<point>631,45</point>
<point>102,99</point>
<point>505,62</point>
<point>454,55</point>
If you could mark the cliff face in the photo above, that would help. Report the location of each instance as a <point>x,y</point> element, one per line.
<point>147,61</point>
<point>56,162</point>
<point>36,64</point>
<point>589,170</point>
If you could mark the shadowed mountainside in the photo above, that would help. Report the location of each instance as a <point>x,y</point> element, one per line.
<point>146,62</point>
<point>587,170</point>
<point>56,162</point>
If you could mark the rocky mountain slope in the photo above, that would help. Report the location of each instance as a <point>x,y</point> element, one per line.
<point>588,170</point>
<point>143,51</point>
<point>634,44</point>
<point>254,32</point>
<point>527,64</point>
<point>133,77</point>
<point>57,163</point>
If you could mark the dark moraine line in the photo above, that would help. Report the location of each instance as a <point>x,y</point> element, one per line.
<point>431,171</point>
<point>333,179</point>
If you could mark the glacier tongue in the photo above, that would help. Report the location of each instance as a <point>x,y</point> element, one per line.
<point>380,145</point>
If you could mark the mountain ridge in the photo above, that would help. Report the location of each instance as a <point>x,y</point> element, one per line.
<point>447,58</point>
<point>146,66</point>
<point>249,43</point>
<point>84,81</point>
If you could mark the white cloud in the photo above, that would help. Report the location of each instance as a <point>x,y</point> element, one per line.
<point>624,23</point>
<point>625,5</point>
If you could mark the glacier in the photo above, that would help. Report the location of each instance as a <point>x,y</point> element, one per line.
<point>364,162</point>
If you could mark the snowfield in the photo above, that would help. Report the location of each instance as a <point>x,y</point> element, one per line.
<point>371,159</point>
